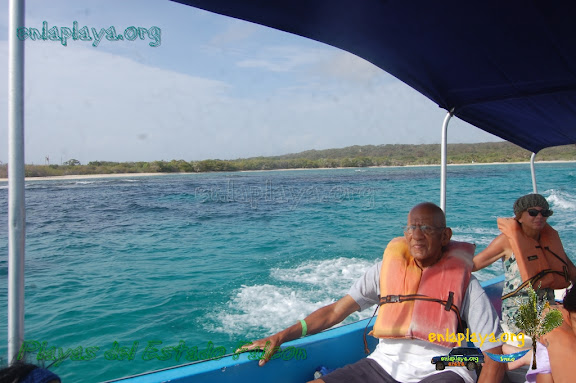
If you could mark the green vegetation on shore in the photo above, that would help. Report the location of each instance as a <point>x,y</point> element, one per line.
<point>352,156</point>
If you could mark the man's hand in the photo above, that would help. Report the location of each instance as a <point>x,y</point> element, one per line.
<point>319,320</point>
<point>269,345</point>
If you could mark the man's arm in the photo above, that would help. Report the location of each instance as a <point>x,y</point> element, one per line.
<point>492,371</point>
<point>483,319</point>
<point>319,320</point>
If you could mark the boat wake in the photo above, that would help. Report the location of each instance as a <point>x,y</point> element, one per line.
<point>262,309</point>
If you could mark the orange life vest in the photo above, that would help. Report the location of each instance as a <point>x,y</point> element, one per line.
<point>542,263</point>
<point>416,302</point>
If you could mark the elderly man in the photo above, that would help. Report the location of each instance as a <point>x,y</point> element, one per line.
<point>424,286</point>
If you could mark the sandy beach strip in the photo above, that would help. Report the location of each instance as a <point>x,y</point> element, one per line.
<point>127,175</point>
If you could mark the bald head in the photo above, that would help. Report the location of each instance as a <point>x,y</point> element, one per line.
<point>427,233</point>
<point>431,210</point>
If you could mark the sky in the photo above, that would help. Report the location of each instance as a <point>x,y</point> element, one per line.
<point>213,87</point>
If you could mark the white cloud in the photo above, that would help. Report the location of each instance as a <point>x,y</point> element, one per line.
<point>86,104</point>
<point>348,67</point>
<point>283,59</point>
<point>235,32</point>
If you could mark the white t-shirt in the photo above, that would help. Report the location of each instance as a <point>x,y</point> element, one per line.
<point>408,360</point>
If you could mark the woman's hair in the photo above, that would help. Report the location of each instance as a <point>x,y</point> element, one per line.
<point>569,302</point>
<point>21,372</point>
<point>527,201</point>
<point>16,372</point>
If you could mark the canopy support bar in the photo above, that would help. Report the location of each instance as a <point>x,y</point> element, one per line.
<point>533,171</point>
<point>444,160</point>
<point>16,202</point>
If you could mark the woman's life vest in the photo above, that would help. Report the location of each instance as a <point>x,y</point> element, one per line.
<point>414,302</point>
<point>542,263</point>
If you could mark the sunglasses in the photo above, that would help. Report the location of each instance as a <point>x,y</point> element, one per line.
<point>545,212</point>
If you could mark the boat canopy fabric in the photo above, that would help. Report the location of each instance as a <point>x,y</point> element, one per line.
<point>507,67</point>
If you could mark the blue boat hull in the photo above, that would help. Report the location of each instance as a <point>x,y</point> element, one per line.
<point>331,348</point>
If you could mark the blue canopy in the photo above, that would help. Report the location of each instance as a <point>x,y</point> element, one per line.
<point>507,67</point>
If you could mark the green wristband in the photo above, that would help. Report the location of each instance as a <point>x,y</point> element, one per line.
<point>304,327</point>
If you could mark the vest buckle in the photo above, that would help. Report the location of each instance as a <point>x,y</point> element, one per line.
<point>392,298</point>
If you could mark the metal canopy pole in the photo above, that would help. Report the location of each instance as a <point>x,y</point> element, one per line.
<point>16,202</point>
<point>533,171</point>
<point>444,160</point>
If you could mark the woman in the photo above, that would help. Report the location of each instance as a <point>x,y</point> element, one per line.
<point>561,343</point>
<point>531,252</point>
<point>556,351</point>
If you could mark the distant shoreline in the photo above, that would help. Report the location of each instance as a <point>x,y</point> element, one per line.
<point>120,175</point>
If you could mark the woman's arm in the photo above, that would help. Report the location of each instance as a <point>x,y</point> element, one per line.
<point>561,345</point>
<point>571,271</point>
<point>497,249</point>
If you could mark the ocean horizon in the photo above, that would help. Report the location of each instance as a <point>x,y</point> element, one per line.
<point>119,266</point>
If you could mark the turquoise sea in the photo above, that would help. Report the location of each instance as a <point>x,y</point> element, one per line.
<point>118,267</point>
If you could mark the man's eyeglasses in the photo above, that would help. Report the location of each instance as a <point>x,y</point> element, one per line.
<point>424,228</point>
<point>545,212</point>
